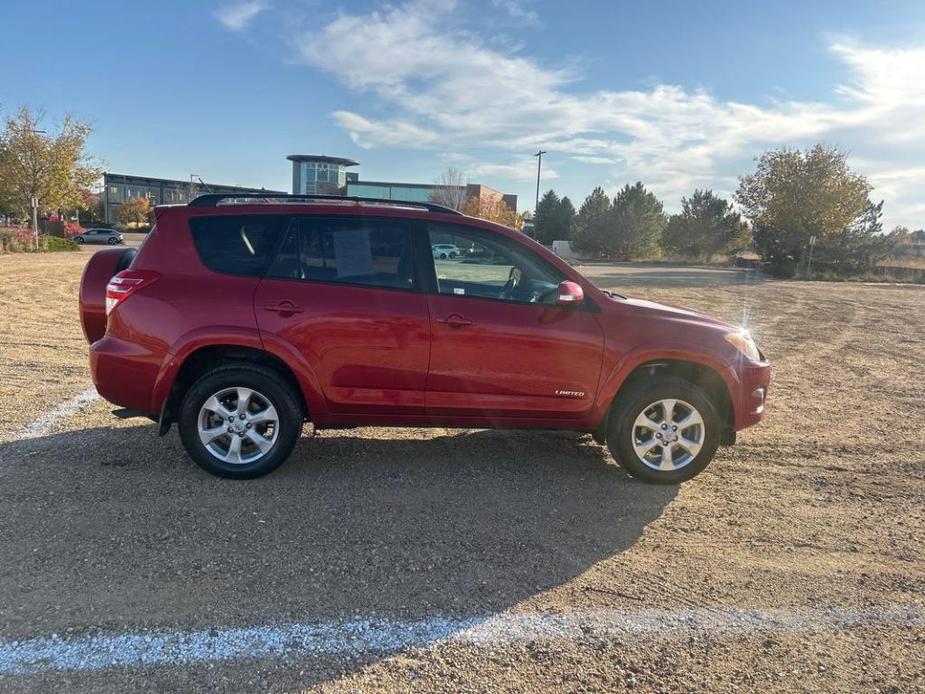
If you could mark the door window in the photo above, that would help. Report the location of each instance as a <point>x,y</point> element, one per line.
<point>489,266</point>
<point>348,251</point>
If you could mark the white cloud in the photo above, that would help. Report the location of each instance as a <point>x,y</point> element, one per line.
<point>518,10</point>
<point>520,170</point>
<point>383,133</point>
<point>447,89</point>
<point>237,17</point>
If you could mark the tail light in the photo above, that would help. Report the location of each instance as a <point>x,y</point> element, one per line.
<point>125,284</point>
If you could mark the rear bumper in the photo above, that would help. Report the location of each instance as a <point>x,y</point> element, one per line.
<point>751,402</point>
<point>124,373</point>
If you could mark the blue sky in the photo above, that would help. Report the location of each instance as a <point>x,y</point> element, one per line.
<point>678,95</point>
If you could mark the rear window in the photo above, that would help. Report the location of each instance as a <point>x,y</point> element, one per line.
<point>238,245</point>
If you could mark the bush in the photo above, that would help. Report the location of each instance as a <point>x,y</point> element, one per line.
<point>56,243</point>
<point>23,241</point>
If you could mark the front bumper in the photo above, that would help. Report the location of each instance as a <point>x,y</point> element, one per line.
<point>751,403</point>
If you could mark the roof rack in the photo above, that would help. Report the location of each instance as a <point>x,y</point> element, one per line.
<point>213,199</point>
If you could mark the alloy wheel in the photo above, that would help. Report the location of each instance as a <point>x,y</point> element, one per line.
<point>668,434</point>
<point>238,425</point>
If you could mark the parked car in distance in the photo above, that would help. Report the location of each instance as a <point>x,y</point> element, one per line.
<point>241,319</point>
<point>109,236</point>
<point>442,251</point>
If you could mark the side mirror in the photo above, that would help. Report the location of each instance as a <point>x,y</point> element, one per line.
<point>569,294</point>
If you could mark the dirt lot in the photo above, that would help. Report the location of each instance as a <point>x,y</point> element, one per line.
<point>795,562</point>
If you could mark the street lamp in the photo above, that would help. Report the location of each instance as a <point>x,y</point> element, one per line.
<point>539,164</point>
<point>35,200</point>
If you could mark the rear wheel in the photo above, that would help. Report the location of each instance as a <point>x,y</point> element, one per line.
<point>240,421</point>
<point>664,430</point>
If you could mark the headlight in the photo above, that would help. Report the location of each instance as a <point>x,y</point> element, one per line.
<point>743,342</point>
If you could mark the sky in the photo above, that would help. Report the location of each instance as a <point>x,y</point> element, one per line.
<point>678,95</point>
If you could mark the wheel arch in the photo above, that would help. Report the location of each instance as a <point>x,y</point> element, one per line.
<point>203,359</point>
<point>717,381</point>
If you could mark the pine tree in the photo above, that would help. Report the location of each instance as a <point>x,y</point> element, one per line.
<point>706,225</point>
<point>546,219</point>
<point>593,224</point>
<point>638,220</point>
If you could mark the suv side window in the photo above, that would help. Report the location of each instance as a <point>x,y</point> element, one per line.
<point>490,266</point>
<point>369,252</point>
<point>239,244</point>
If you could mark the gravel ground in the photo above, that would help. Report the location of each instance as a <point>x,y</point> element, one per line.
<point>107,528</point>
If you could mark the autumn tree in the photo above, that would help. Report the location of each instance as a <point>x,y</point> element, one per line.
<point>494,209</point>
<point>706,225</point>
<point>135,211</point>
<point>54,168</point>
<point>795,195</point>
<point>450,189</point>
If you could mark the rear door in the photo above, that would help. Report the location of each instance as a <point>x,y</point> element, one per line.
<point>500,345</point>
<point>343,291</point>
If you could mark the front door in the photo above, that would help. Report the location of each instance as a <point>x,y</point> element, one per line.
<point>343,292</point>
<point>500,346</point>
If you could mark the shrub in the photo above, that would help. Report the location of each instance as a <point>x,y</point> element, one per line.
<point>23,241</point>
<point>56,243</point>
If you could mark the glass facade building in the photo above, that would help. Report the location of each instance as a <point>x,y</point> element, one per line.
<point>315,174</point>
<point>120,188</point>
<point>392,191</point>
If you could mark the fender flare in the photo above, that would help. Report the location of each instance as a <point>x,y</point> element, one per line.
<point>232,336</point>
<point>627,364</point>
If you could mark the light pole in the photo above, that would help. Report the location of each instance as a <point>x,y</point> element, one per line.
<point>35,200</point>
<point>539,164</point>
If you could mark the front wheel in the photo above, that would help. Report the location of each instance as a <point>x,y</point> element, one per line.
<point>664,430</point>
<point>113,241</point>
<point>240,421</point>
<point>78,239</point>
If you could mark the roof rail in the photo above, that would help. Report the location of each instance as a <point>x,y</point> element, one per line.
<point>213,199</point>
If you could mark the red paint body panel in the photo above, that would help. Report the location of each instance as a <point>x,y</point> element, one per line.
<point>369,347</point>
<point>365,355</point>
<point>511,359</point>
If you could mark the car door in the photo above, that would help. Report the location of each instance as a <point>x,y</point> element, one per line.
<point>344,292</point>
<point>501,347</point>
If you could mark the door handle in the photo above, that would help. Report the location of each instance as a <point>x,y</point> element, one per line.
<point>283,308</point>
<point>454,320</point>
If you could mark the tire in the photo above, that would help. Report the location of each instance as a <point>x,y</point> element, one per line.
<point>443,256</point>
<point>634,422</point>
<point>266,387</point>
<point>79,239</point>
<point>452,254</point>
<point>112,242</point>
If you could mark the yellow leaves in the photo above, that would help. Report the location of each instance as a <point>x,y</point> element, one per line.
<point>494,210</point>
<point>135,211</point>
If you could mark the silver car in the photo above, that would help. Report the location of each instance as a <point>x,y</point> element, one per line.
<point>110,236</point>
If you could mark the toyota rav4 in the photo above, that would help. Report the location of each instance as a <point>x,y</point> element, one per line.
<point>239,319</point>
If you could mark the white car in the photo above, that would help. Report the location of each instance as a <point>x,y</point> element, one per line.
<point>445,250</point>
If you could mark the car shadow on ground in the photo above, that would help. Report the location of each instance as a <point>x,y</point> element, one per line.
<point>115,530</point>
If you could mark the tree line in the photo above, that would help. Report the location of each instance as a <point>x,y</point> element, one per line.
<point>794,204</point>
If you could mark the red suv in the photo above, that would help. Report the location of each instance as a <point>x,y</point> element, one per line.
<point>242,318</point>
